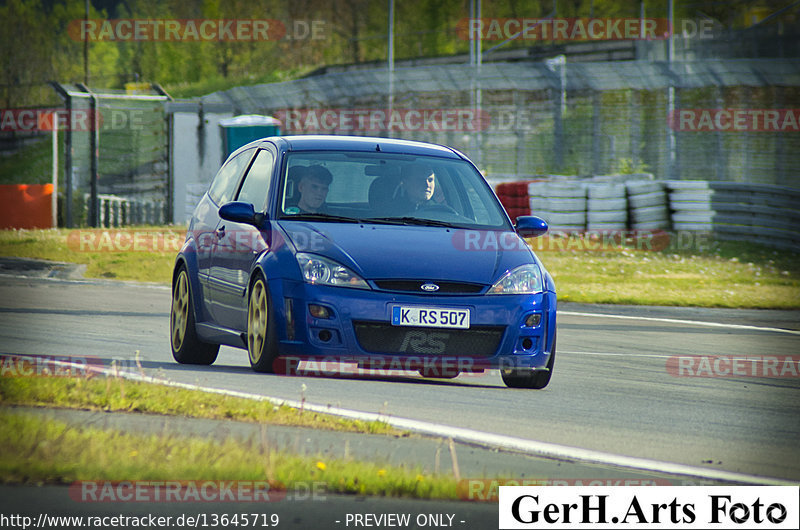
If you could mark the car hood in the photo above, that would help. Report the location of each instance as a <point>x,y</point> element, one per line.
<point>410,252</point>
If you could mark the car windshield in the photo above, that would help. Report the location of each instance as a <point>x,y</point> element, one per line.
<point>387,188</point>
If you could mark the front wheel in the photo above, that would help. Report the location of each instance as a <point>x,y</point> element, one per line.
<point>187,348</point>
<point>527,378</point>
<point>262,343</point>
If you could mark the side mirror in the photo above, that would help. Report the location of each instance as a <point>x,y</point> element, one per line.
<point>241,212</point>
<point>531,226</point>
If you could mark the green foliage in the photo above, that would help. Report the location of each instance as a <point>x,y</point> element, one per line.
<point>692,270</point>
<point>117,394</point>
<point>627,166</point>
<point>31,164</point>
<point>35,450</point>
<point>39,45</point>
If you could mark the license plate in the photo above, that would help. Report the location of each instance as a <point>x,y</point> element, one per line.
<point>430,317</point>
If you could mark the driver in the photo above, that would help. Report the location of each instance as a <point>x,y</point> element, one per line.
<point>313,187</point>
<point>418,184</point>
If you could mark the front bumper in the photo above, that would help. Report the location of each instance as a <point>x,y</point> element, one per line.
<point>359,328</point>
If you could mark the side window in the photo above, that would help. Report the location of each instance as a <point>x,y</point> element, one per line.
<point>223,187</point>
<point>255,189</point>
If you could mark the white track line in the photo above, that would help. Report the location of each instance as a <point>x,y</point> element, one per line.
<point>531,447</point>
<point>679,321</point>
<point>611,354</point>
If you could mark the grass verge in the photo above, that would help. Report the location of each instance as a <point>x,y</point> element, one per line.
<point>104,257</point>
<point>34,450</point>
<point>718,274</point>
<point>117,394</point>
<point>695,272</point>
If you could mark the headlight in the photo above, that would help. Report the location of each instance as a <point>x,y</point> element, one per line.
<point>526,279</point>
<point>324,271</point>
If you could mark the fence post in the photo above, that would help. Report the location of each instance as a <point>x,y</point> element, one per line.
<point>635,128</point>
<point>596,132</point>
<point>781,177</point>
<point>68,176</point>
<point>94,149</point>
<point>558,131</point>
<point>68,198</point>
<point>519,148</point>
<point>721,162</point>
<point>748,139</point>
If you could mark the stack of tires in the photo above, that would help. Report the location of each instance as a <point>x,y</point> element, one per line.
<point>607,207</point>
<point>648,205</point>
<point>514,197</point>
<point>561,204</point>
<point>691,202</point>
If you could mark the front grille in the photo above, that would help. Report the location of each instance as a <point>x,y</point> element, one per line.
<point>415,286</point>
<point>378,337</point>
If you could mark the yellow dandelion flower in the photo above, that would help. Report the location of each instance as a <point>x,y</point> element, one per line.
<point>381,472</point>
<point>321,466</point>
<point>133,453</point>
<point>420,478</point>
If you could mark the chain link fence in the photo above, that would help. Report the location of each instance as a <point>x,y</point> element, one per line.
<point>594,118</point>
<point>116,166</point>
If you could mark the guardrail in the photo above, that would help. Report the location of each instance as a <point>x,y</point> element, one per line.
<point>736,211</point>
<point>759,213</point>
<point>119,211</point>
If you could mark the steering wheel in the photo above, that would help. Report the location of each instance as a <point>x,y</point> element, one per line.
<point>432,206</point>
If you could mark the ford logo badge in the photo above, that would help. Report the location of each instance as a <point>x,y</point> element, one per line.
<point>429,287</point>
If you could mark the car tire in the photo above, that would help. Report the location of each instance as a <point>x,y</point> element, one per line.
<point>187,348</point>
<point>531,379</point>
<point>262,341</point>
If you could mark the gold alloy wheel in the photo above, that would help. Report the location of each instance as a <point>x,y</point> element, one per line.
<point>257,321</point>
<point>179,315</point>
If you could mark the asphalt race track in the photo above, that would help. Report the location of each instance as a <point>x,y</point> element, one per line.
<point>611,391</point>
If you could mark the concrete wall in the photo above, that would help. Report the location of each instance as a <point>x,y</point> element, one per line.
<point>196,152</point>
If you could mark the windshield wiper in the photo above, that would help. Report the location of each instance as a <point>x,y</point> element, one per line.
<point>409,221</point>
<point>321,217</point>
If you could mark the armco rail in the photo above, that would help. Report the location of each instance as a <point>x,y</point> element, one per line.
<point>738,211</point>
<point>119,211</point>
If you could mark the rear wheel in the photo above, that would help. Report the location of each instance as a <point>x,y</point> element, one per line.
<point>262,343</point>
<point>527,378</point>
<point>187,348</point>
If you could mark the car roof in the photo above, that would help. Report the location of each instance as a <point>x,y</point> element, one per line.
<point>313,142</point>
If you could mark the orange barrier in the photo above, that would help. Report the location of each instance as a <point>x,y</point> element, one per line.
<point>26,205</point>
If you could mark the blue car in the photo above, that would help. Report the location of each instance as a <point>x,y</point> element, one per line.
<point>390,254</point>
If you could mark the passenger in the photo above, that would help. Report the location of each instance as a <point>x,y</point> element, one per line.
<point>417,185</point>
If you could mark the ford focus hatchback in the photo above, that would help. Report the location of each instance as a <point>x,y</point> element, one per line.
<point>388,254</point>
